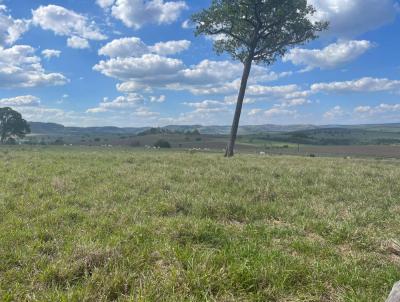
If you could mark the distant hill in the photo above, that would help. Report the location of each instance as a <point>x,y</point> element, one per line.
<point>58,129</point>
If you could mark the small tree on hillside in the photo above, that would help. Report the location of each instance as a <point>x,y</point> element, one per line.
<point>257,31</point>
<point>12,125</point>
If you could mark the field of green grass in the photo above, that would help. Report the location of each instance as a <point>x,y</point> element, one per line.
<point>92,224</point>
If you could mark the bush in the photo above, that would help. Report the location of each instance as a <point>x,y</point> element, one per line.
<point>59,141</point>
<point>162,144</point>
<point>135,144</point>
<point>11,141</point>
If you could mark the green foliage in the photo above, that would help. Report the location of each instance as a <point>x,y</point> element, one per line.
<point>12,125</point>
<point>258,30</point>
<point>92,224</point>
<point>161,143</point>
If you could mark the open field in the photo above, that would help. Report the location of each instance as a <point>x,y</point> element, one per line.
<point>371,151</point>
<point>97,224</point>
<point>375,141</point>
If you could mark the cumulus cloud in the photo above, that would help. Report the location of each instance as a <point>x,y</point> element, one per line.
<point>130,100</point>
<point>332,56</point>
<point>105,3</point>
<point>77,42</point>
<point>351,18</point>
<point>159,99</point>
<point>334,113</point>
<point>20,101</point>
<point>137,13</point>
<point>366,84</point>
<point>64,22</point>
<point>380,109</point>
<point>170,47</point>
<point>147,67</point>
<point>10,29</point>
<point>124,48</point>
<point>151,70</point>
<point>134,47</point>
<point>51,53</point>
<point>20,67</point>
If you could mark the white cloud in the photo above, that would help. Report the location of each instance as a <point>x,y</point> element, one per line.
<point>145,112</point>
<point>51,53</point>
<point>64,22</point>
<point>361,85</point>
<point>276,112</point>
<point>335,112</point>
<point>170,47</point>
<point>77,42</point>
<point>20,101</point>
<point>187,24</point>
<point>255,111</point>
<point>380,109</point>
<point>150,71</point>
<point>10,29</point>
<point>43,114</point>
<point>105,3</point>
<point>147,67</point>
<point>130,86</point>
<point>159,99</point>
<point>272,91</point>
<point>295,102</point>
<point>332,56</point>
<point>124,48</point>
<point>128,101</point>
<point>136,13</point>
<point>349,18</point>
<point>20,67</point>
<point>134,47</point>
<point>206,104</point>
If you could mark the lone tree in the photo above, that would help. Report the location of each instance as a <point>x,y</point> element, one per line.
<point>258,31</point>
<point>12,125</point>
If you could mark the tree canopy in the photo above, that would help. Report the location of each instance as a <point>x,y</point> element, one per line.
<point>257,31</point>
<point>261,29</point>
<point>12,125</point>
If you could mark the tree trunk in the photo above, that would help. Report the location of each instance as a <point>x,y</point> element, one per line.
<point>239,105</point>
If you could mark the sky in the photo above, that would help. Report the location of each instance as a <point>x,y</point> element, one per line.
<point>132,63</point>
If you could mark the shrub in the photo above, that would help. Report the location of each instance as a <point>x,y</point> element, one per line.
<point>162,144</point>
<point>135,144</point>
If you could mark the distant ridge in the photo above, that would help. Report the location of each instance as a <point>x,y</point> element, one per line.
<point>58,129</point>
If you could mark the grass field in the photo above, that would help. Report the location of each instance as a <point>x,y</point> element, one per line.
<point>91,224</point>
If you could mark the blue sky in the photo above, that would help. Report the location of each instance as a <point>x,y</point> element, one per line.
<point>137,63</point>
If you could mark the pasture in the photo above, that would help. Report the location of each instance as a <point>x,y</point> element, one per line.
<point>97,224</point>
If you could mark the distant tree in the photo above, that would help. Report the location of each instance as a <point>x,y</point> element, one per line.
<point>162,144</point>
<point>12,125</point>
<point>59,141</point>
<point>258,31</point>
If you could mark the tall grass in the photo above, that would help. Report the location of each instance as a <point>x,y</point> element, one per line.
<point>114,225</point>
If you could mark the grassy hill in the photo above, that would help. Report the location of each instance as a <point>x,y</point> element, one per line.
<point>91,224</point>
